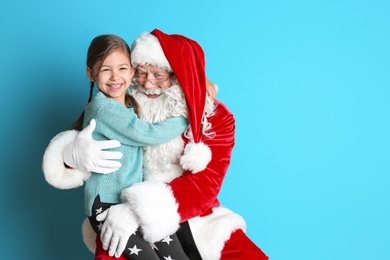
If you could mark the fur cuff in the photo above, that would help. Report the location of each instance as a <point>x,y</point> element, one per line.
<point>196,157</point>
<point>156,208</point>
<point>53,164</point>
<point>211,232</point>
<point>89,236</point>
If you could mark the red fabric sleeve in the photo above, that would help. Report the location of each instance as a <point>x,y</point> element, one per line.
<point>196,193</point>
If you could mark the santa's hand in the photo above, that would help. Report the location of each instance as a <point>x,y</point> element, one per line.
<point>211,88</point>
<point>119,224</point>
<point>86,154</point>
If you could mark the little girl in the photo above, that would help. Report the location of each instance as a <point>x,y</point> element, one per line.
<point>109,67</point>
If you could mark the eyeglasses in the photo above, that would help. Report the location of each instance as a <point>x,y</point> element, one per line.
<point>159,77</point>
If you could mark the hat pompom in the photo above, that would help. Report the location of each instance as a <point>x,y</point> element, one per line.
<point>196,157</point>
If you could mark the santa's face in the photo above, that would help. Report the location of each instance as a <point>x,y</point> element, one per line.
<point>153,81</point>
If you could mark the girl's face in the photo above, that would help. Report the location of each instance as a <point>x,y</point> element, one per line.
<point>113,76</point>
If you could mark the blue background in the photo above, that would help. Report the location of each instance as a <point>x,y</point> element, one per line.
<point>308,82</point>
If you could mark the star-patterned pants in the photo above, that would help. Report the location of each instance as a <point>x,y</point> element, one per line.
<point>238,247</point>
<point>137,248</point>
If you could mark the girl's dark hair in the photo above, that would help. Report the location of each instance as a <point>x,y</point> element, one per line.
<point>100,47</point>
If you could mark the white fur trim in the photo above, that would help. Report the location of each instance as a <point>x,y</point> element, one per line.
<point>146,49</point>
<point>196,157</point>
<point>156,208</point>
<point>211,232</point>
<point>53,164</point>
<point>89,235</point>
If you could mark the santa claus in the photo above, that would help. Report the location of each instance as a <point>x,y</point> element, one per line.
<point>182,178</point>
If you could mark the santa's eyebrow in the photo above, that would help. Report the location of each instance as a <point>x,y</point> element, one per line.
<point>160,71</point>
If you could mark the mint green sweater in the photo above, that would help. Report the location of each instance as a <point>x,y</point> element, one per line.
<point>115,122</point>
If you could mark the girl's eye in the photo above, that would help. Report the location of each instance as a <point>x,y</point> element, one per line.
<point>104,70</point>
<point>124,68</point>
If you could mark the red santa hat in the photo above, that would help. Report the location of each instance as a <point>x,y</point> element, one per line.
<point>185,58</point>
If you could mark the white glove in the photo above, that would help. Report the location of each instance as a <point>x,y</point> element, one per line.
<point>86,154</point>
<point>119,224</point>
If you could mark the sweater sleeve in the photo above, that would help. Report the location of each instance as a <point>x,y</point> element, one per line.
<point>162,206</point>
<point>119,123</point>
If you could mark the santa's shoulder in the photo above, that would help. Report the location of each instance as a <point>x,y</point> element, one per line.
<point>221,110</point>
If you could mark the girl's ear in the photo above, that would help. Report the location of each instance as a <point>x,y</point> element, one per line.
<point>132,71</point>
<point>90,75</point>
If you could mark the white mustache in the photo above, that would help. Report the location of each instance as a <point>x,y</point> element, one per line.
<point>153,91</point>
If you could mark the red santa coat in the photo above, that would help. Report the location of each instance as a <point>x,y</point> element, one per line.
<point>196,194</point>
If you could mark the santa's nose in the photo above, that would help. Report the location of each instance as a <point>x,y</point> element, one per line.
<point>149,84</point>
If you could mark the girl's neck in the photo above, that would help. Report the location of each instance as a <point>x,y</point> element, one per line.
<point>121,100</point>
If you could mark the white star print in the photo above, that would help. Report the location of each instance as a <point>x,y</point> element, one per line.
<point>168,258</point>
<point>167,240</point>
<point>134,250</point>
<point>98,211</point>
<point>100,225</point>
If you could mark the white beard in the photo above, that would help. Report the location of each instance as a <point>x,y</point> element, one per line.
<point>161,163</point>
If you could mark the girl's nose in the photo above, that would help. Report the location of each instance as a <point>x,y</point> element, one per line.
<point>114,75</point>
